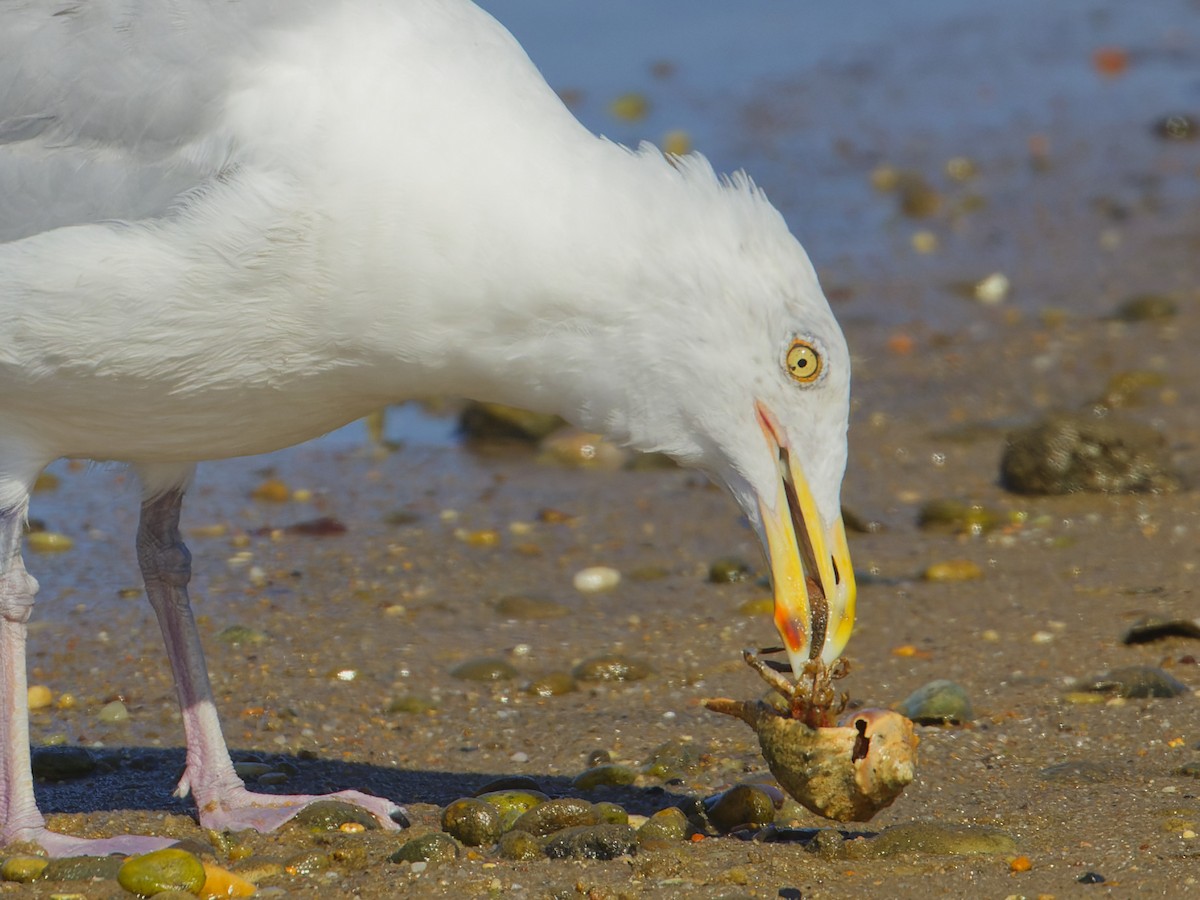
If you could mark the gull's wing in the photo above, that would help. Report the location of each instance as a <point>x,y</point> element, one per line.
<point>108,107</point>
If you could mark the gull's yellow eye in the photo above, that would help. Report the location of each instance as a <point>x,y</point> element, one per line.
<point>803,361</point>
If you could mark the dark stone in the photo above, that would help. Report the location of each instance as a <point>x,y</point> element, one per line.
<point>592,842</point>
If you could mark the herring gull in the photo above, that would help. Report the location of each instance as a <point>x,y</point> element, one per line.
<point>226,228</point>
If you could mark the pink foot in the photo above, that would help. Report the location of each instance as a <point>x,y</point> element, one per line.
<point>241,809</point>
<point>59,845</point>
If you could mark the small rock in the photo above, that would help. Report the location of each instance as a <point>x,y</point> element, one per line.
<point>83,868</point>
<point>490,422</point>
<point>605,775</point>
<point>23,869</point>
<point>1155,629</point>
<point>611,813</point>
<point>47,542</point>
<point>729,570</point>
<point>595,579</point>
<point>472,822</point>
<point>668,824</point>
<point>1091,878</point>
<point>555,815</point>
<point>411,704</point>
<point>434,847</point>
<point>520,845</point>
<point>1146,308</point>
<point>742,806</point>
<point>611,668</point>
<point>672,759</point>
<point>575,447</point>
<point>486,668</point>
<point>939,702</point>
<point>114,713</point>
<point>527,607</point>
<point>957,517</point>
<point>934,840</point>
<point>1065,453</point>
<point>952,570</point>
<point>169,869</point>
<point>331,815</point>
<point>513,804</point>
<point>552,684</point>
<point>592,842</point>
<point>1134,683</point>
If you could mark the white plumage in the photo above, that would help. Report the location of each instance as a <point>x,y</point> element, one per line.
<point>229,227</point>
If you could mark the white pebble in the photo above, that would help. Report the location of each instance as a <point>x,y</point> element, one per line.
<point>594,579</point>
<point>520,757</point>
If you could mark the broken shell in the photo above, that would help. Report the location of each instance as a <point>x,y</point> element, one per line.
<point>848,772</point>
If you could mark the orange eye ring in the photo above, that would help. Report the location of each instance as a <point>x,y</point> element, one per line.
<point>803,361</point>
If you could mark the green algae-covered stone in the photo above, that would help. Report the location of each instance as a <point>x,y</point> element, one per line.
<point>169,869</point>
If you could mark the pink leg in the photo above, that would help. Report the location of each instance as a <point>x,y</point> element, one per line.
<point>222,798</point>
<point>20,819</point>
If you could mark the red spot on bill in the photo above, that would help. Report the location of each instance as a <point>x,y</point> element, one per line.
<point>792,630</point>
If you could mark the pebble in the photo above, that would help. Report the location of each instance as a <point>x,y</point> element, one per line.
<point>83,868</point>
<point>741,806</point>
<point>411,704</point>
<point>484,668</point>
<point>939,702</point>
<point>952,570</point>
<point>473,822</point>
<point>611,813</point>
<point>592,842</point>
<point>1134,683</point>
<point>48,542</point>
<point>759,606</point>
<point>957,517</point>
<point>668,824</point>
<point>39,696</point>
<point>629,107</point>
<point>113,713</point>
<point>161,870</point>
<point>272,491</point>
<point>62,763</point>
<point>1146,308</point>
<point>729,570</point>
<point>614,667</point>
<point>575,447</point>
<point>510,783</point>
<point>595,579</point>
<point>526,607</point>
<point>555,815</point>
<point>932,839</point>
<point>512,804</point>
<point>1154,629</point>
<point>1069,452</point>
<point>552,684</point>
<point>434,847</point>
<point>1125,388</point>
<point>520,845</point>
<point>672,759</point>
<point>491,422</point>
<point>331,815</point>
<point>23,869</point>
<point>605,775</point>
<point>220,882</point>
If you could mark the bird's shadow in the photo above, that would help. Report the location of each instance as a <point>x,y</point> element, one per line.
<point>141,778</point>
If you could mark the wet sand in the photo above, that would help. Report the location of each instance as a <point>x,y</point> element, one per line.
<point>354,621</point>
